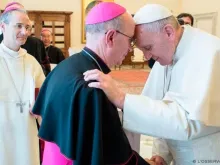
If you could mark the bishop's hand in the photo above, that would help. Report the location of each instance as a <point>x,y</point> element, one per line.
<point>107,84</point>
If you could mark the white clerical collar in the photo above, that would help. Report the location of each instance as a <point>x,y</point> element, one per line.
<point>48,46</point>
<point>11,53</point>
<point>183,43</point>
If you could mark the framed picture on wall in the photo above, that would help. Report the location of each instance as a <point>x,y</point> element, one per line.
<point>87,5</point>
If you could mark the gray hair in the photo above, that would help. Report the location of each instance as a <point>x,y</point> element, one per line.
<point>5,17</point>
<point>157,26</point>
<point>116,24</point>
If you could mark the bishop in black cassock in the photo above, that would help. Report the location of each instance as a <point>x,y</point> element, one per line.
<point>55,54</point>
<point>81,120</point>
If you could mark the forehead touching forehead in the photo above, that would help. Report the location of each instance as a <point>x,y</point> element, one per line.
<point>144,37</point>
<point>128,22</point>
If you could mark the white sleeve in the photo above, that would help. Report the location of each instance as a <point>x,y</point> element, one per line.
<point>161,118</point>
<point>39,76</point>
<point>161,149</point>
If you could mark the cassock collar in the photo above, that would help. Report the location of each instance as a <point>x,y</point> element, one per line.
<point>101,63</point>
<point>183,43</point>
<point>48,46</point>
<point>8,53</point>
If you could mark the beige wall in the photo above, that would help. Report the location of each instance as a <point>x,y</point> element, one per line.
<point>61,5</point>
<point>75,7</point>
<point>177,6</point>
<point>133,5</point>
<point>203,6</point>
<point>58,5</point>
<point>3,3</point>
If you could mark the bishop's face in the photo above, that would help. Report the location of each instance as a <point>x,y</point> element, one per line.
<point>16,31</point>
<point>121,41</point>
<point>46,37</point>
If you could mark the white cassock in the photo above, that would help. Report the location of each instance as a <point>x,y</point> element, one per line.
<point>20,74</point>
<point>180,104</point>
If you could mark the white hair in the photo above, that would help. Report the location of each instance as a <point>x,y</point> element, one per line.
<point>116,24</point>
<point>5,17</point>
<point>157,26</point>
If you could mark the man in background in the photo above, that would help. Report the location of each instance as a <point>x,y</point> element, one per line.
<point>187,18</point>
<point>55,54</point>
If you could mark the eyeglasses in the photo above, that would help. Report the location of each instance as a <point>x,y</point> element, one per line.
<point>132,40</point>
<point>19,26</point>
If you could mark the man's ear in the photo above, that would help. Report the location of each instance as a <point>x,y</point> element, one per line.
<point>169,31</point>
<point>109,37</point>
<point>2,26</point>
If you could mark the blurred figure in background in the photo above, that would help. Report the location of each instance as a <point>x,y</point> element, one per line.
<point>55,54</point>
<point>187,18</point>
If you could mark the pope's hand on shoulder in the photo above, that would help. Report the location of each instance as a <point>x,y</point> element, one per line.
<point>107,84</point>
<point>158,160</point>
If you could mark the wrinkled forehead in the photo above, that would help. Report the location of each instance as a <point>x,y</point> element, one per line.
<point>142,36</point>
<point>139,30</point>
<point>129,28</point>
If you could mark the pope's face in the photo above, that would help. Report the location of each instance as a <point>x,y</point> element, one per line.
<point>156,45</point>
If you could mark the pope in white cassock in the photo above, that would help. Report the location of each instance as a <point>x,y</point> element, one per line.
<point>180,103</point>
<point>20,77</point>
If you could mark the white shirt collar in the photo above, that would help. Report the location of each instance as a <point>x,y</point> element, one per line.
<point>11,53</point>
<point>183,43</point>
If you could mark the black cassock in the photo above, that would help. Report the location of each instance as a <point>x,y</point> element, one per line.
<point>55,54</point>
<point>1,37</point>
<point>81,120</point>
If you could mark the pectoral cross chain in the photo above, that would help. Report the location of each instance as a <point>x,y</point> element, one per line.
<point>21,105</point>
